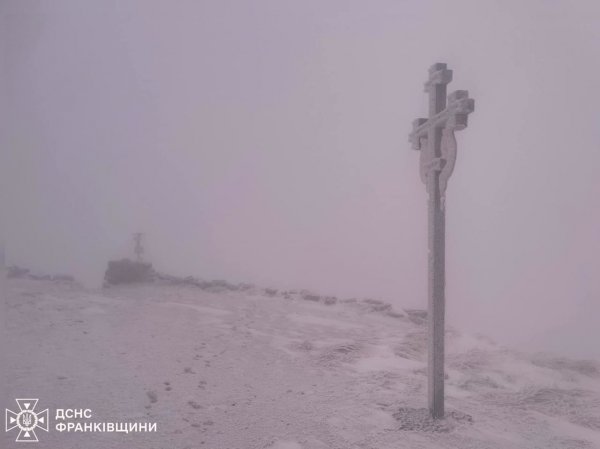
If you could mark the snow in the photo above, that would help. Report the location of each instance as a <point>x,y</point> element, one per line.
<point>240,370</point>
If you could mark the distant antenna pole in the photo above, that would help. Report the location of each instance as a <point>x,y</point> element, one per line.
<point>139,248</point>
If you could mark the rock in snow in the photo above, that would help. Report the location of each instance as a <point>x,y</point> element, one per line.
<point>126,271</point>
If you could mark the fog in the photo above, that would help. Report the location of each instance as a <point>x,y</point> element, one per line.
<point>266,142</point>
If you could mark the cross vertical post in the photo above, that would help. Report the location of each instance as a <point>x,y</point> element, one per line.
<point>434,137</point>
<point>436,261</point>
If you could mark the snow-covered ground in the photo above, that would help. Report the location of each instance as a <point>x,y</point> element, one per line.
<point>244,369</point>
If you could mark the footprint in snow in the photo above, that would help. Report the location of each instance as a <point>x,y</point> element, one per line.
<point>194,405</point>
<point>152,396</point>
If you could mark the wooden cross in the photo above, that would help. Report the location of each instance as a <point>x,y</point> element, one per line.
<point>434,137</point>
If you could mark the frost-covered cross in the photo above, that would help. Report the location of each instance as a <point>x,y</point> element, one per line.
<point>434,137</point>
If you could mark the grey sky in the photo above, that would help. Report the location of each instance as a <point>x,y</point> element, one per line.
<point>267,142</point>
